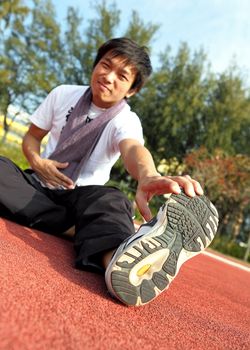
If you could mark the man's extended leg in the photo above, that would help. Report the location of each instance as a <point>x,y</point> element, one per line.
<point>144,265</point>
<point>103,217</point>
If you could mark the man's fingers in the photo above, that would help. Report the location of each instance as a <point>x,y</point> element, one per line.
<point>191,187</point>
<point>60,165</point>
<point>53,176</point>
<point>63,180</point>
<point>142,204</point>
<point>197,187</point>
<point>159,186</point>
<point>60,178</point>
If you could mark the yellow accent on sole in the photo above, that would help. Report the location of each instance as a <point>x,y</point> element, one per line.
<point>143,270</point>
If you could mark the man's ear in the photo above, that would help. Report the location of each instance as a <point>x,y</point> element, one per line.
<point>131,93</point>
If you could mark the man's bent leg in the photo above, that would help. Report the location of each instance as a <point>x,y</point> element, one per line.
<point>22,202</point>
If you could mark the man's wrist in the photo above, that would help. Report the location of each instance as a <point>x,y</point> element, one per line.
<point>148,175</point>
<point>35,160</point>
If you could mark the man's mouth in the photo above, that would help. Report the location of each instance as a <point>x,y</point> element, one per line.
<point>103,86</point>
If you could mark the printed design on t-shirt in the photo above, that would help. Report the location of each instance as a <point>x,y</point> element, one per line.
<point>69,113</point>
<point>67,116</point>
<point>88,120</point>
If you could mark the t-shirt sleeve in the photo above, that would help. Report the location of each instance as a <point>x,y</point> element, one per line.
<point>128,127</point>
<point>43,115</point>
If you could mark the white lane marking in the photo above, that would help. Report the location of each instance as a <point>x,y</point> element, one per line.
<point>227,261</point>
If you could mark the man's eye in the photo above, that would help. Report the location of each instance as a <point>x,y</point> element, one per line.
<point>123,77</point>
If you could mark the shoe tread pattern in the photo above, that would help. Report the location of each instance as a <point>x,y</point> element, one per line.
<point>146,290</point>
<point>194,219</point>
<point>187,228</point>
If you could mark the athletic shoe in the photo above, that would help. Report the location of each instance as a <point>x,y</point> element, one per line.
<point>145,264</point>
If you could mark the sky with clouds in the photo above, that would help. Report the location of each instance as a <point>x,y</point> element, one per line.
<point>220,27</point>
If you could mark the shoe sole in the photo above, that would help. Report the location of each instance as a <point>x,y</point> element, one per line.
<point>149,261</point>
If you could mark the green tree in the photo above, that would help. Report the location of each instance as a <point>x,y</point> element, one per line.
<point>30,54</point>
<point>185,106</point>
<point>140,31</point>
<point>12,47</point>
<point>172,104</point>
<point>226,116</point>
<point>44,51</point>
<point>74,63</point>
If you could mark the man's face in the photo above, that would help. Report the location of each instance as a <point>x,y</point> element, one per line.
<point>111,81</point>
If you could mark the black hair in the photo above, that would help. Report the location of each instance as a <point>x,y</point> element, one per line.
<point>132,53</point>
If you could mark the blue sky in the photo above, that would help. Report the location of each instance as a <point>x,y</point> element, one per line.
<point>220,27</point>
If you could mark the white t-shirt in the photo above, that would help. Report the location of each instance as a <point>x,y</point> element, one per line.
<point>52,115</point>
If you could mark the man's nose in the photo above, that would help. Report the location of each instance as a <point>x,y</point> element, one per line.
<point>110,76</point>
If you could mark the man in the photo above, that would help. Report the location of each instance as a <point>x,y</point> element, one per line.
<point>89,129</point>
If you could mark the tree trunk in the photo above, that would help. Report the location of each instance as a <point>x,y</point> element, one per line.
<point>6,126</point>
<point>248,249</point>
<point>236,226</point>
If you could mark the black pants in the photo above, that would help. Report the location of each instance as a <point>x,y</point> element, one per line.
<point>102,215</point>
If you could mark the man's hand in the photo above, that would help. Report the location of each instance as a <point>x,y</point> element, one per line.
<point>47,170</point>
<point>48,173</point>
<point>140,165</point>
<point>158,185</point>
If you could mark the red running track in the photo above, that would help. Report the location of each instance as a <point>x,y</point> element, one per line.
<point>46,304</point>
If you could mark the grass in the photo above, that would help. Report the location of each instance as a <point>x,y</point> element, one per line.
<point>13,151</point>
<point>228,247</point>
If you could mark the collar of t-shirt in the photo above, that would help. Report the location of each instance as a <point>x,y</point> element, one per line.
<point>94,111</point>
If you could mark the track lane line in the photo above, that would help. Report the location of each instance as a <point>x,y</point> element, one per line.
<point>227,261</point>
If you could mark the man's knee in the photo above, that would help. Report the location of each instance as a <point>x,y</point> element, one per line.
<point>6,165</point>
<point>116,199</point>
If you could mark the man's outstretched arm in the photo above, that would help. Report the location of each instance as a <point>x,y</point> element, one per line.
<point>139,163</point>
